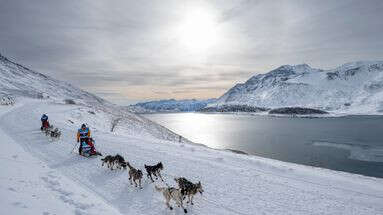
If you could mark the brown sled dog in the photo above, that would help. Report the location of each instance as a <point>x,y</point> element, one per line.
<point>134,175</point>
<point>171,193</point>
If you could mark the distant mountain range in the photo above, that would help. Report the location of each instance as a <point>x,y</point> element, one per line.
<point>353,88</point>
<point>170,105</point>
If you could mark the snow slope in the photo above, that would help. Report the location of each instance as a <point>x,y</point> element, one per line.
<point>20,82</point>
<point>29,186</point>
<point>170,105</point>
<point>233,183</point>
<point>353,88</point>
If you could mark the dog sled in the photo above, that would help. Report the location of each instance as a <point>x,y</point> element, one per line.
<point>50,131</point>
<point>45,126</point>
<point>87,148</point>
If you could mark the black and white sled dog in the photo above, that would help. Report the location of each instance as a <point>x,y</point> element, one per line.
<point>188,188</point>
<point>134,175</point>
<point>119,161</point>
<point>108,160</point>
<point>114,161</point>
<point>53,133</point>
<point>172,193</point>
<point>47,130</point>
<point>56,133</point>
<point>154,170</point>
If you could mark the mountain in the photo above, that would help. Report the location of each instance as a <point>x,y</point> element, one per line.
<point>351,88</point>
<point>18,80</point>
<point>20,83</point>
<point>171,105</point>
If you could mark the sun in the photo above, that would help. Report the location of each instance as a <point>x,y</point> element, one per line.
<point>197,31</point>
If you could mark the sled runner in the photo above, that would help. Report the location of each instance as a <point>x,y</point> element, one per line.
<point>87,155</point>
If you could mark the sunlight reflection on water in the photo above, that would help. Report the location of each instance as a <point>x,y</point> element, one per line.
<point>287,139</point>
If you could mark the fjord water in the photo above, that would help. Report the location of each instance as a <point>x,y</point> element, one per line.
<point>352,143</point>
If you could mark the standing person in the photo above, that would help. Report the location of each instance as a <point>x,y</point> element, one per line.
<point>44,121</point>
<point>83,134</point>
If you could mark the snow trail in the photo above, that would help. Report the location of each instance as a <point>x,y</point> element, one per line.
<point>29,186</point>
<point>233,184</point>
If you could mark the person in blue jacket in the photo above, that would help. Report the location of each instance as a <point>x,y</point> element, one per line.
<point>44,122</point>
<point>83,135</point>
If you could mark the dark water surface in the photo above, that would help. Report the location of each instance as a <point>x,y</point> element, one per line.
<point>352,144</point>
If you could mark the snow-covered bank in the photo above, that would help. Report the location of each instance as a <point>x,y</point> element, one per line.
<point>362,153</point>
<point>233,184</point>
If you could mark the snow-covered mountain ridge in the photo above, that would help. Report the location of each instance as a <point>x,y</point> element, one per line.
<point>18,80</point>
<point>351,88</point>
<point>171,105</point>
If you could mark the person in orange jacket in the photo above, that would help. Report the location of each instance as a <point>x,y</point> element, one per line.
<point>83,134</point>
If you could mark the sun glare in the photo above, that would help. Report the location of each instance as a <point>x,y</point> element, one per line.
<point>197,31</point>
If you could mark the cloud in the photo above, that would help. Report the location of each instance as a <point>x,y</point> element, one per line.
<point>130,50</point>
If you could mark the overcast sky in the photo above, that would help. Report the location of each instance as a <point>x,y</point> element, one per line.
<point>128,51</point>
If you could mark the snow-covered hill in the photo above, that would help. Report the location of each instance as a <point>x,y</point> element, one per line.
<point>170,105</point>
<point>20,82</point>
<point>355,88</point>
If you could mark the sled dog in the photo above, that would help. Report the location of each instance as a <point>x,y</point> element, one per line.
<point>55,133</point>
<point>154,170</point>
<point>188,188</point>
<point>108,160</point>
<point>48,130</point>
<point>171,193</point>
<point>119,161</point>
<point>134,175</point>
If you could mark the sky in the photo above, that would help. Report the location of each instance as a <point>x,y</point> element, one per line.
<point>129,51</point>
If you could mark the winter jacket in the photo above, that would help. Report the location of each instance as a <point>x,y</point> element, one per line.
<point>83,133</point>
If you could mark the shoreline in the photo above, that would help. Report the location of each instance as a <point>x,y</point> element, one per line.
<point>330,115</point>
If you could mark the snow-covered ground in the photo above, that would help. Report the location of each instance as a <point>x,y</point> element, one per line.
<point>29,186</point>
<point>40,176</point>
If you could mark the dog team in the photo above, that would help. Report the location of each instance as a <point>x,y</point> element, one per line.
<point>185,187</point>
<point>178,195</point>
<point>48,129</point>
